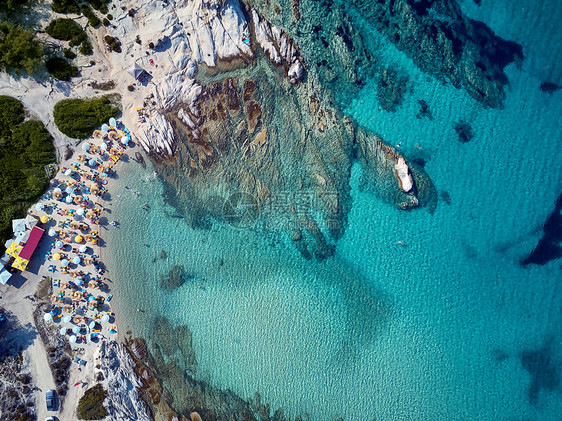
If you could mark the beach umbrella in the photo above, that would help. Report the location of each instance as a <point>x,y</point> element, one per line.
<point>86,146</point>
<point>62,331</point>
<point>78,239</point>
<point>73,339</point>
<point>68,172</point>
<point>59,244</point>
<point>64,263</point>
<point>105,318</point>
<point>52,232</point>
<point>83,248</point>
<point>103,146</point>
<point>76,260</point>
<point>47,317</point>
<point>79,282</point>
<point>92,162</point>
<point>112,122</point>
<point>57,256</point>
<point>57,190</point>
<point>125,141</point>
<point>18,225</point>
<point>67,319</point>
<point>69,190</point>
<point>80,212</point>
<point>76,329</point>
<point>92,324</point>
<point>78,199</point>
<point>45,219</point>
<point>38,206</point>
<point>105,128</point>
<point>68,200</point>
<point>57,195</point>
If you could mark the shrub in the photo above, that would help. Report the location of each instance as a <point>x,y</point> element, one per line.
<point>86,48</point>
<point>90,406</point>
<point>100,5</point>
<point>110,16</point>
<point>19,51</point>
<point>61,69</point>
<point>105,22</point>
<point>92,18</point>
<point>64,29</point>
<point>65,6</point>
<point>69,54</point>
<point>113,43</point>
<point>25,149</point>
<point>78,118</point>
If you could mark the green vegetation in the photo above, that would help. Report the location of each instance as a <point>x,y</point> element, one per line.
<point>69,54</point>
<point>78,118</point>
<point>19,51</point>
<point>113,43</point>
<point>110,16</point>
<point>105,22</point>
<point>90,406</point>
<point>92,18</point>
<point>61,69</point>
<point>86,48</point>
<point>25,148</point>
<point>100,5</point>
<point>65,6</point>
<point>64,29</point>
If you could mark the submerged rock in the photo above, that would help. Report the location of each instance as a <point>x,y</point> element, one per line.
<point>174,279</point>
<point>464,131</point>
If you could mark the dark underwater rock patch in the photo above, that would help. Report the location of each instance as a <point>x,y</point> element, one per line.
<point>543,369</point>
<point>445,43</point>
<point>174,279</point>
<point>391,87</point>
<point>464,131</point>
<point>424,110</point>
<point>549,87</point>
<point>548,247</point>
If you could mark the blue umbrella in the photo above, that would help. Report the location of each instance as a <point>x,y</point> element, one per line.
<point>67,319</point>
<point>86,146</point>
<point>79,282</point>
<point>64,263</point>
<point>124,141</point>
<point>92,162</point>
<point>105,128</point>
<point>57,190</point>
<point>39,206</point>
<point>112,122</point>
<point>68,199</point>
<point>51,232</point>
<point>83,248</point>
<point>68,172</point>
<point>47,317</point>
<point>76,329</point>
<point>103,146</point>
<point>76,260</point>
<point>59,244</point>
<point>69,190</point>
<point>92,325</point>
<point>63,331</point>
<point>80,212</point>
<point>105,318</point>
<point>73,339</point>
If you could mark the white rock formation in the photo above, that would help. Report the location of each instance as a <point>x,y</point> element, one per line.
<point>121,384</point>
<point>156,135</point>
<point>404,176</point>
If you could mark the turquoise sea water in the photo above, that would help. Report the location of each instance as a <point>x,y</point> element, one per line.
<point>446,325</point>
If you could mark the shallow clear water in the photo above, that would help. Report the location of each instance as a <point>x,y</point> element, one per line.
<point>437,327</point>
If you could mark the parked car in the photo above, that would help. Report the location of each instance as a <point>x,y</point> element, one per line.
<point>51,399</point>
<point>51,419</point>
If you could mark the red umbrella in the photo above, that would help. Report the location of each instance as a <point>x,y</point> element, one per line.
<point>76,384</point>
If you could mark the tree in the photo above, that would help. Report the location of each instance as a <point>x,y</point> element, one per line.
<point>19,51</point>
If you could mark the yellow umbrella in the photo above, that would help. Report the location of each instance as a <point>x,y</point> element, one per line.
<point>78,238</point>
<point>45,219</point>
<point>56,256</point>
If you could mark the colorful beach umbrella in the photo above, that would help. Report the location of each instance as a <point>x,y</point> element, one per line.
<point>103,146</point>
<point>78,239</point>
<point>125,141</point>
<point>73,339</point>
<point>45,219</point>
<point>76,260</point>
<point>57,190</point>
<point>112,122</point>
<point>92,325</point>
<point>105,318</point>
<point>69,190</point>
<point>67,319</point>
<point>68,172</point>
<point>92,162</point>
<point>59,244</point>
<point>64,263</point>
<point>57,256</point>
<point>79,282</point>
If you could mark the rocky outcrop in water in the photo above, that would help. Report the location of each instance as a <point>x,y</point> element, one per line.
<point>444,42</point>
